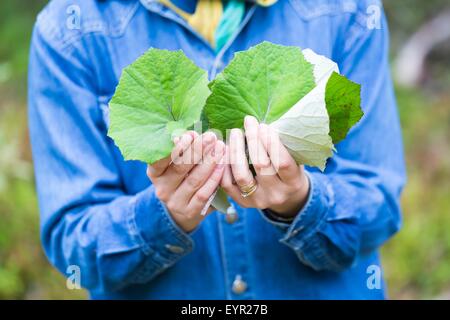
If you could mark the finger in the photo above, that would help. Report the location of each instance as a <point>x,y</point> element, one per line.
<point>238,160</point>
<point>230,187</point>
<point>228,183</point>
<point>174,175</point>
<point>181,145</point>
<point>192,133</point>
<point>197,177</point>
<point>255,200</point>
<point>185,161</point>
<point>257,152</point>
<point>202,196</point>
<point>227,178</point>
<point>158,168</point>
<point>193,155</point>
<point>282,161</point>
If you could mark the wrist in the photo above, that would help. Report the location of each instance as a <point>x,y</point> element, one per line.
<point>186,224</point>
<point>296,202</point>
<point>276,217</point>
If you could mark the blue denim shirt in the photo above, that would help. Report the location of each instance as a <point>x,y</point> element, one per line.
<point>100,213</point>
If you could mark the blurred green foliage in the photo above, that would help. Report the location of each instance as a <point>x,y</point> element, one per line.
<point>24,270</point>
<point>416,261</point>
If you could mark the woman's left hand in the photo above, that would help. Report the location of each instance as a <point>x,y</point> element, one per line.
<point>281,185</point>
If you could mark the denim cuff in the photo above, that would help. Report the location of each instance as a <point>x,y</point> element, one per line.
<point>302,235</point>
<point>155,231</point>
<point>281,223</point>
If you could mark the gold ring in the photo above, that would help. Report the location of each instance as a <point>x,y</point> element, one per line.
<point>249,189</point>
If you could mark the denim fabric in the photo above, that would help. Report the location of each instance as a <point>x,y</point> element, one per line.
<point>100,212</point>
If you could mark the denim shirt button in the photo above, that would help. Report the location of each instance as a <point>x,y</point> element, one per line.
<point>239,285</point>
<point>231,218</point>
<point>231,210</point>
<point>174,249</point>
<point>231,215</point>
<point>266,3</point>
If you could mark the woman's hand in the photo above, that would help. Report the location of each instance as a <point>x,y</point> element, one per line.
<point>186,180</point>
<point>282,185</point>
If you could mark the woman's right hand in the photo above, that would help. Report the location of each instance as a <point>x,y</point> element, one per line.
<point>186,179</point>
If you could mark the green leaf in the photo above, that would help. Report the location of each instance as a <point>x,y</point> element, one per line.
<point>264,81</point>
<point>159,95</point>
<point>343,102</point>
<point>304,129</point>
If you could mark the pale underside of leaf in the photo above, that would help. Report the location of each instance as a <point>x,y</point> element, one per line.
<point>304,129</point>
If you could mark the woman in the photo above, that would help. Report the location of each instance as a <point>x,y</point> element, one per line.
<point>295,234</point>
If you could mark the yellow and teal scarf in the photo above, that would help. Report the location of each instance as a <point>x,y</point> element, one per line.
<point>215,20</point>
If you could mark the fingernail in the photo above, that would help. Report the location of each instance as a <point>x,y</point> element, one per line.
<point>208,137</point>
<point>235,132</point>
<point>176,139</point>
<point>248,120</point>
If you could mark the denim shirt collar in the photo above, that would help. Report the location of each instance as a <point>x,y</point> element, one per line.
<point>186,5</point>
<point>157,7</point>
<point>190,5</point>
